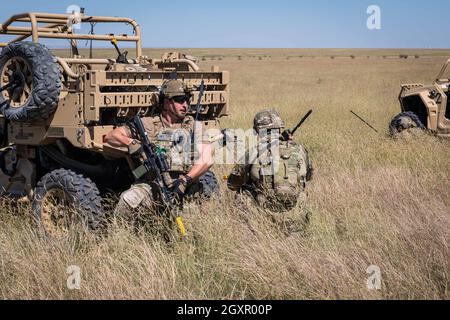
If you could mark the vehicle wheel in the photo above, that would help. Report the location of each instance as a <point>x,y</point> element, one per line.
<point>64,199</point>
<point>34,70</point>
<point>405,121</point>
<point>206,186</point>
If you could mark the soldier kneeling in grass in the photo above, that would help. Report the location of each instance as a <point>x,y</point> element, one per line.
<point>274,172</point>
<point>170,130</point>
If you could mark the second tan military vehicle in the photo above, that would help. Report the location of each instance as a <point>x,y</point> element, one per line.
<point>425,107</point>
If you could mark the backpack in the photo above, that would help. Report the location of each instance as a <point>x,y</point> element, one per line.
<point>280,177</point>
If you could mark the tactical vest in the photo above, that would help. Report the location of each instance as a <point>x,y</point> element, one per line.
<point>174,142</point>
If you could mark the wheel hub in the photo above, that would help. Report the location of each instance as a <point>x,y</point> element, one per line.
<point>17,71</point>
<point>406,123</point>
<point>56,213</point>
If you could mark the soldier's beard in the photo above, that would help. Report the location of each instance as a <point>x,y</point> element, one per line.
<point>181,114</point>
<point>174,115</point>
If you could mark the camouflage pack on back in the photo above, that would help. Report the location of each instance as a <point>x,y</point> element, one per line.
<point>277,170</point>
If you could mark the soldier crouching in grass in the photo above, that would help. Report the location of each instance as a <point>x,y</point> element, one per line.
<point>274,173</point>
<point>171,130</point>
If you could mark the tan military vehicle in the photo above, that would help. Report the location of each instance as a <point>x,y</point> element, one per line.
<point>56,111</point>
<point>425,107</point>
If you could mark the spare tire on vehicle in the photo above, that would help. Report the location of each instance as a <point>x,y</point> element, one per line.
<point>31,74</point>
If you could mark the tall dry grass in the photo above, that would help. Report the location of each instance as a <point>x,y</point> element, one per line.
<point>374,201</point>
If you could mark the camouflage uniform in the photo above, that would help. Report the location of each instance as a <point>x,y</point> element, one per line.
<point>172,139</point>
<point>274,171</point>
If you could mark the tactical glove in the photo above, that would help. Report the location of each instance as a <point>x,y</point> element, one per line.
<point>134,147</point>
<point>180,185</point>
<point>286,135</point>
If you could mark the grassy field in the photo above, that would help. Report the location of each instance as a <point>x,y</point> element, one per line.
<point>374,201</point>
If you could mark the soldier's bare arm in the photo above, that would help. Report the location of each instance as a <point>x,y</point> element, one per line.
<point>119,137</point>
<point>205,161</point>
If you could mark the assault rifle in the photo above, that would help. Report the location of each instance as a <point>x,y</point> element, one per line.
<point>155,164</point>
<point>289,132</point>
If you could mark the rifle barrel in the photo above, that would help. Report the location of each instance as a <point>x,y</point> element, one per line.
<point>301,121</point>
<point>368,124</point>
<point>200,95</point>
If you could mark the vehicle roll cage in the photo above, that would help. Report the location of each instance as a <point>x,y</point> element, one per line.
<point>440,78</point>
<point>59,26</point>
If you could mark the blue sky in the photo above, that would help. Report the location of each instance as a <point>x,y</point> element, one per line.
<point>268,24</point>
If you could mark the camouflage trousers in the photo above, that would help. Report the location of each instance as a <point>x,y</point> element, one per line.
<point>290,219</point>
<point>138,200</point>
<point>140,193</point>
<point>135,203</point>
<point>294,219</point>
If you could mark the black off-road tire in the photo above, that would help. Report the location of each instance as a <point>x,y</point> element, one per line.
<point>79,192</point>
<point>206,186</point>
<point>405,121</point>
<point>46,82</point>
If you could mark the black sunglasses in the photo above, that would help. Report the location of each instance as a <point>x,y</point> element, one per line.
<point>181,99</point>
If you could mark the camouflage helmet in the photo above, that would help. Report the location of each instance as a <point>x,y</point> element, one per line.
<point>267,119</point>
<point>174,88</point>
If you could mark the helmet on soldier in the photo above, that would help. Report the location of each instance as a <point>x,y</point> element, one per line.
<point>174,88</point>
<point>267,119</point>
